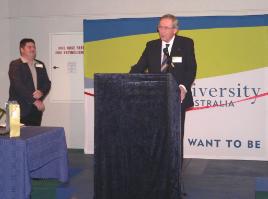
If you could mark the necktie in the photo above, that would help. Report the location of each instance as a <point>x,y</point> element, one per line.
<point>164,64</point>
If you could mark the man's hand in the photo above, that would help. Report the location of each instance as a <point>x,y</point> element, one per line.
<point>39,105</point>
<point>183,92</point>
<point>37,94</point>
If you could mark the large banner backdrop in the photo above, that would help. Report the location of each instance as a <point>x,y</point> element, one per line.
<point>230,117</point>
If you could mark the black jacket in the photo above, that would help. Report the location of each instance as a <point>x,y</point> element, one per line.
<point>184,72</point>
<point>22,86</point>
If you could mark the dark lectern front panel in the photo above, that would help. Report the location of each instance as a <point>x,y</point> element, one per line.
<point>137,137</point>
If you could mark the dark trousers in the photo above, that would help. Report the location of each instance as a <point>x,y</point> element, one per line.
<point>34,118</point>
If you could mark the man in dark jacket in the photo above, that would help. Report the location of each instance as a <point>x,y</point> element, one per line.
<point>29,83</point>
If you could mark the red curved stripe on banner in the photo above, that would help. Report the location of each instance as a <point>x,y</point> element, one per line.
<point>242,100</point>
<point>206,107</point>
<point>90,94</point>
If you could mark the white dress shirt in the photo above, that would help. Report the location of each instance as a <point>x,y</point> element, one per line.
<point>169,51</point>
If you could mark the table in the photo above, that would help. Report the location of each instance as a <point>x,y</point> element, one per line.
<point>40,152</point>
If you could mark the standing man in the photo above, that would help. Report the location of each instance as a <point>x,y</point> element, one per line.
<point>174,54</point>
<point>29,84</point>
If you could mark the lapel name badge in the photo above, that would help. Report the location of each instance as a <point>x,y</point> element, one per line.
<point>39,65</point>
<point>177,59</point>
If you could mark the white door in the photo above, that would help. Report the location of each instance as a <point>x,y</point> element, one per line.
<point>67,71</point>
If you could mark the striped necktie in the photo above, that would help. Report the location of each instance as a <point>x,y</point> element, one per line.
<point>164,64</point>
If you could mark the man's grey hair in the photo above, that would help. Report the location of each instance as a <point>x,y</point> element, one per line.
<point>173,18</point>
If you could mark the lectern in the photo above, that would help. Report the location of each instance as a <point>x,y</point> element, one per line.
<point>137,137</point>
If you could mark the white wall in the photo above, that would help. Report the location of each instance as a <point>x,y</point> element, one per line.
<point>38,18</point>
<point>4,51</point>
<point>138,8</point>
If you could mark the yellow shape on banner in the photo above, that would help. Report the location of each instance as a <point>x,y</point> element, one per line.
<point>219,51</point>
<point>115,55</point>
<point>225,51</point>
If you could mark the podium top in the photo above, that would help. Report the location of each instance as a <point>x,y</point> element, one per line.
<point>134,77</point>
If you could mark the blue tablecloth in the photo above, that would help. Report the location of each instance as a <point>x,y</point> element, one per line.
<point>40,152</point>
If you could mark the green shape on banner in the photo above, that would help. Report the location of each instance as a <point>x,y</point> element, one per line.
<point>219,51</point>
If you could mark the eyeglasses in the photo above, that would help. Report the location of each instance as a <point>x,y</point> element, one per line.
<point>164,28</point>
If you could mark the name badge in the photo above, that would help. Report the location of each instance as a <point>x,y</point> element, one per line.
<point>39,65</point>
<point>176,59</point>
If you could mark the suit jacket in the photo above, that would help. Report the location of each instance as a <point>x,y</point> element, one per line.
<point>22,87</point>
<point>184,72</point>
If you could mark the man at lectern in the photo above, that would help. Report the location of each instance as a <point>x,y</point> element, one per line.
<point>171,54</point>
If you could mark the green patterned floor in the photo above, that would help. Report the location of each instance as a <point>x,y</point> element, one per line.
<point>202,179</point>
<point>44,189</point>
<point>53,189</point>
